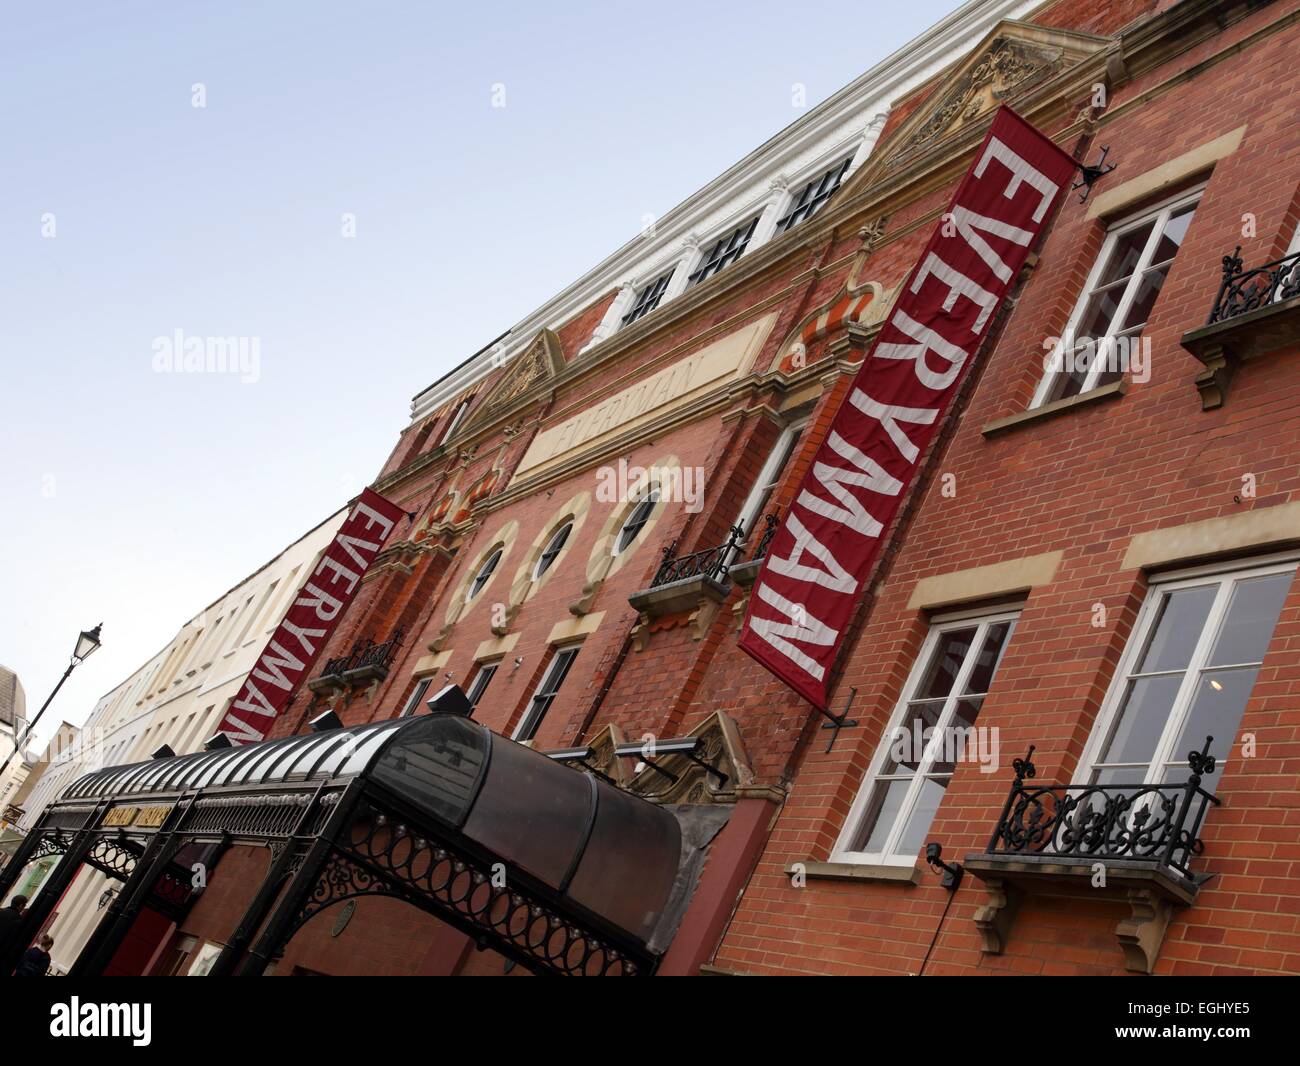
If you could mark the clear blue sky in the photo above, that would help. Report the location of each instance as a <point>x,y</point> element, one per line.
<point>135,498</point>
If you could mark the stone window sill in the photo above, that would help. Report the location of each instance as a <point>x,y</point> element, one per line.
<point>869,873</point>
<point>1113,391</point>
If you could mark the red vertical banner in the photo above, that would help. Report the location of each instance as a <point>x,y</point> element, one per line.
<point>311,619</point>
<point>807,591</point>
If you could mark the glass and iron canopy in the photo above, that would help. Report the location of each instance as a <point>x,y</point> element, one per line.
<point>423,808</point>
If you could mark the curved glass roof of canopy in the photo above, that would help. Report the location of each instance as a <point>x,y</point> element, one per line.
<point>338,754</point>
<point>613,853</point>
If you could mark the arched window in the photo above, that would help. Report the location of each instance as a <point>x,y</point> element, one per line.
<point>552,550</point>
<point>636,521</point>
<point>484,573</point>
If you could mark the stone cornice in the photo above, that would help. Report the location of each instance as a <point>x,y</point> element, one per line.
<point>1174,31</point>
<point>1046,103</point>
<point>750,179</point>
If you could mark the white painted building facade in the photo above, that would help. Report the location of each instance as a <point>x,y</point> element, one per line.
<point>177,699</point>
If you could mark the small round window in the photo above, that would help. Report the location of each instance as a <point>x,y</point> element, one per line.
<point>484,573</point>
<point>552,550</point>
<point>636,521</point>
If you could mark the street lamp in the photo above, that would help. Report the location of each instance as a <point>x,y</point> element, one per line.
<point>87,645</point>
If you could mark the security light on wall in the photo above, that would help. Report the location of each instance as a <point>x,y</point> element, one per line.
<point>164,752</point>
<point>568,754</point>
<point>952,872</point>
<point>216,742</point>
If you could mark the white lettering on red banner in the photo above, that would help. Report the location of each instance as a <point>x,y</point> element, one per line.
<point>310,620</point>
<point>808,589</point>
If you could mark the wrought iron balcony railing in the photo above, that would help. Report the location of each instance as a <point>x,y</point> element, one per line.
<point>1243,290</point>
<point>372,654</point>
<point>365,653</point>
<point>715,562</point>
<point>771,521</point>
<point>1159,824</point>
<point>708,562</point>
<point>336,666</point>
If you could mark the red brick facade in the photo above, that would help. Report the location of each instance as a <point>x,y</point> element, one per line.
<point>1084,482</point>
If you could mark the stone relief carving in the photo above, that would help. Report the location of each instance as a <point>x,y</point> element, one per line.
<point>540,360</point>
<point>1007,65</point>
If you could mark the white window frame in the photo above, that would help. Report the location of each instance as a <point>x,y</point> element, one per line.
<point>754,217</point>
<point>246,617</point>
<point>480,681</point>
<point>768,482</point>
<point>1225,574</point>
<point>475,586</point>
<point>1160,213</point>
<point>455,422</point>
<point>529,722</point>
<point>627,520</point>
<point>417,694</point>
<point>565,527</point>
<point>939,625</point>
<point>1291,249</point>
<point>836,160</point>
<point>643,288</point>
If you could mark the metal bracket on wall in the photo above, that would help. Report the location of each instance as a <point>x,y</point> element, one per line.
<point>839,721</point>
<point>1090,174</point>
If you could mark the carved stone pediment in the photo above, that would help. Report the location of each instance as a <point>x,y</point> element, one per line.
<point>1014,60</point>
<point>1000,70</point>
<point>537,364</point>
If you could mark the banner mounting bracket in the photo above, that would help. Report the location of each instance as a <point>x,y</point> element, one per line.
<point>839,721</point>
<point>1090,174</point>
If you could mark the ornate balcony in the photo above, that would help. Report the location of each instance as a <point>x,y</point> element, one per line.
<point>711,563</point>
<point>1138,823</point>
<point>367,663</point>
<point>700,582</point>
<point>744,572</point>
<point>1243,291</point>
<point>1094,841</point>
<point>1256,312</point>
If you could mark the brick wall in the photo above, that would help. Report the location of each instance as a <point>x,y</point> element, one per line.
<point>1085,483</point>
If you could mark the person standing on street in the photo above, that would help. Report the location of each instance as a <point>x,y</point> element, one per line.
<point>10,918</point>
<point>36,960</point>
